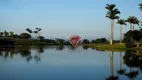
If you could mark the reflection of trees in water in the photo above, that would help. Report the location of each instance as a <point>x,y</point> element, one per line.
<point>24,51</point>
<point>132,74</point>
<point>6,53</point>
<point>100,50</point>
<point>60,47</point>
<point>121,71</point>
<point>85,47</point>
<point>71,48</point>
<point>134,61</point>
<point>112,77</point>
<point>40,49</point>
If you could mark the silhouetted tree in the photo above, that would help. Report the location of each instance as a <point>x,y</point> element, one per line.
<point>135,35</point>
<point>85,41</point>
<point>25,35</point>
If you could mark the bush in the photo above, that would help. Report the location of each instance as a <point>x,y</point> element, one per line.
<point>40,38</point>
<point>25,36</point>
<point>99,40</point>
<point>135,35</point>
<point>85,41</point>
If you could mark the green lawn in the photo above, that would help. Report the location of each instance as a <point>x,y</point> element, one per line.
<point>114,47</point>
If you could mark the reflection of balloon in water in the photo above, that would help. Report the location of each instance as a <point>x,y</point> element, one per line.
<point>74,40</point>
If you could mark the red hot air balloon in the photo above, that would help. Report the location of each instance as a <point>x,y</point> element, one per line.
<point>74,40</point>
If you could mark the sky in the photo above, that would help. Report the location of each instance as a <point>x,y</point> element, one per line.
<point>61,18</point>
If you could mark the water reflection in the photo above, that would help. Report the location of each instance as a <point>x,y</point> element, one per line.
<point>133,60</point>
<point>112,76</point>
<point>24,51</point>
<point>121,71</point>
<point>130,65</point>
<point>85,47</point>
<point>60,47</point>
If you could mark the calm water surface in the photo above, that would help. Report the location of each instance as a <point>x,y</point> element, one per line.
<point>66,63</point>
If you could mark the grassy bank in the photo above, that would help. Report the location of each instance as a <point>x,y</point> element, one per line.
<point>114,47</point>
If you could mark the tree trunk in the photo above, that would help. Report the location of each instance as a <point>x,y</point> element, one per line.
<point>111,63</point>
<point>111,31</point>
<point>130,26</point>
<point>120,33</point>
<point>133,27</point>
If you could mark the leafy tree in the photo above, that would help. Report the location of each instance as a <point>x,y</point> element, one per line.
<point>40,38</point>
<point>25,35</point>
<point>112,15</point>
<point>50,41</point>
<point>85,41</point>
<point>100,40</point>
<point>121,22</point>
<point>16,36</point>
<point>60,41</point>
<point>93,41</point>
<point>135,35</point>
<point>6,33</point>
<point>11,34</point>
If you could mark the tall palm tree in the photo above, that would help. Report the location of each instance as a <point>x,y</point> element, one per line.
<point>121,22</point>
<point>112,15</point>
<point>140,6</point>
<point>136,21</point>
<point>37,31</point>
<point>131,20</point>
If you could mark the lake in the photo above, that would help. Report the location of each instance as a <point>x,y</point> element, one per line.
<point>67,63</point>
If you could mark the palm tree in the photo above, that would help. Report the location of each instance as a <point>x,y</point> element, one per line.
<point>140,6</point>
<point>131,20</point>
<point>112,15</point>
<point>121,22</point>
<point>136,21</point>
<point>29,30</point>
<point>37,31</point>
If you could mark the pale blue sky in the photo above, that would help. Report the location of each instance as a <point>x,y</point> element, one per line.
<point>61,18</point>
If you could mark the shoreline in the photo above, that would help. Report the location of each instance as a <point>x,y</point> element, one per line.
<point>114,47</point>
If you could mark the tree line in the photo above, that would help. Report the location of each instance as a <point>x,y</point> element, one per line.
<point>112,14</point>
